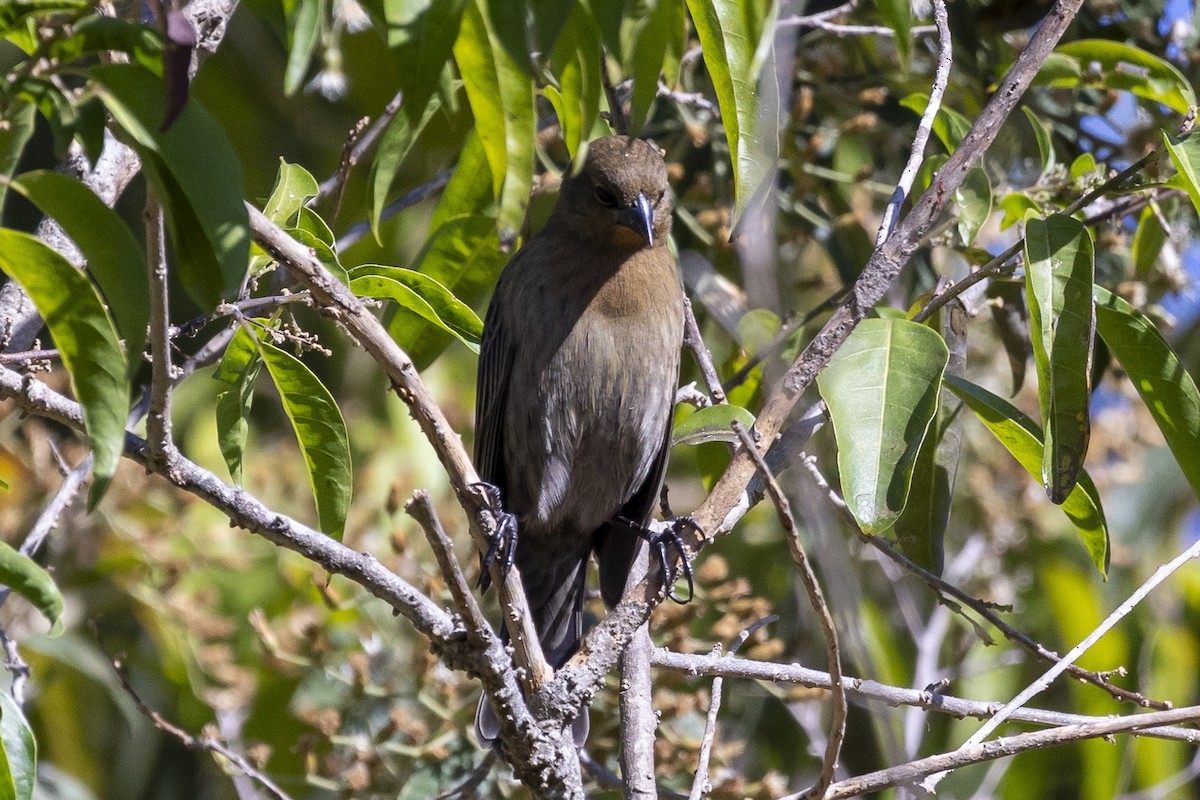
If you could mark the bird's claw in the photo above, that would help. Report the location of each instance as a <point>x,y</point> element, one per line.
<point>666,537</point>
<point>502,542</point>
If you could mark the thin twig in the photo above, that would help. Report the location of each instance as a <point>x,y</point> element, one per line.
<point>694,342</point>
<point>910,773</point>
<point>28,355</point>
<point>1048,677</point>
<point>985,610</point>
<point>420,508</point>
<point>700,783</point>
<point>816,598</point>
<point>158,421</point>
<point>360,140</point>
<point>16,666</point>
<point>917,154</point>
<point>203,742</point>
<point>707,665</point>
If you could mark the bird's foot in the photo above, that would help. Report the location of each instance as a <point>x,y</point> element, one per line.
<point>670,536</point>
<point>502,542</point>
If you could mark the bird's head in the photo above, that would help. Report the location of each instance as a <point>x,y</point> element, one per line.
<point>621,194</point>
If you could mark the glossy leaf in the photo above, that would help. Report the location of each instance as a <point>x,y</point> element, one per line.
<point>321,432</point>
<point>238,370</point>
<point>921,528</point>
<point>576,64</point>
<point>1148,241</point>
<point>18,754</point>
<point>86,339</point>
<point>22,574</point>
<point>421,294</point>
<point>712,424</point>
<point>1059,271</point>
<point>730,40</point>
<point>1115,65</point>
<point>16,126</point>
<point>421,35</point>
<point>114,257</point>
<point>1185,153</point>
<point>201,195</point>
<point>394,146</point>
<point>882,391</point>
<point>973,199</point>
<point>304,18</point>
<point>470,188</point>
<point>648,56</point>
<point>1015,206</point>
<point>1021,436</point>
<point>294,186</point>
<point>501,98</point>
<point>1165,386</point>
<point>1041,133</point>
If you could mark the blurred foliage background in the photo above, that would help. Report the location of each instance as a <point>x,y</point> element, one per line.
<point>335,698</point>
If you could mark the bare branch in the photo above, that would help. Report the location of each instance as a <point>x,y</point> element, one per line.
<point>694,342</point>
<point>158,421</point>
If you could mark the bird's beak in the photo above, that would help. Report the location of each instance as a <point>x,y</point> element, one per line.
<point>639,217</point>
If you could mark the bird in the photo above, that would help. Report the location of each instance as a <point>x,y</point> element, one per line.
<point>578,371</point>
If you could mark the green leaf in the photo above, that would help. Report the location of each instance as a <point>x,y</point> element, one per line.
<point>304,19</point>
<point>114,257</point>
<point>421,294</point>
<point>16,126</point>
<point>321,432</point>
<point>1185,153</point>
<point>921,528</point>
<point>394,146</point>
<point>1165,386</point>
<point>421,35</point>
<point>22,574</point>
<point>294,186</point>
<point>974,200</point>
<point>1041,132</point>
<point>648,55</point>
<point>501,98</point>
<point>949,126</point>
<point>1059,271</point>
<point>575,63</point>
<point>196,173</point>
<point>86,339</point>
<point>18,756</point>
<point>1114,65</point>
<point>238,370</point>
<point>1021,436</point>
<point>1148,241</point>
<point>12,13</point>
<point>712,424</point>
<point>729,38</point>
<point>470,188</point>
<point>897,15</point>
<point>882,391</point>
<point>1015,206</point>
<point>1082,165</point>
<point>99,34</point>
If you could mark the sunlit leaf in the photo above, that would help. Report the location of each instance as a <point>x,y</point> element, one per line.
<point>881,388</point>
<point>973,199</point>
<point>421,294</point>
<point>729,36</point>
<point>1021,436</point>
<point>16,126</point>
<point>648,55</point>
<point>321,432</point>
<point>1165,386</point>
<point>196,174</point>
<point>1059,271</point>
<point>1148,241</point>
<point>114,257</point>
<point>1185,153</point>
<point>86,338</point>
<point>13,12</point>
<point>712,424</point>
<point>421,35</point>
<point>1116,65</point>
<point>238,370</point>
<point>575,62</point>
<point>1041,133</point>
<point>501,98</point>
<point>394,146</point>
<point>897,15</point>
<point>18,756</point>
<point>22,574</point>
<point>949,126</point>
<point>1015,206</point>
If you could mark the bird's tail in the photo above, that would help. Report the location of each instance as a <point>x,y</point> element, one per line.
<point>555,593</point>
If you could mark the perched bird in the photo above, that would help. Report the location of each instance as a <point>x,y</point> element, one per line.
<point>577,377</point>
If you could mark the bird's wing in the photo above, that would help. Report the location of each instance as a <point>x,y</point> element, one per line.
<point>616,545</point>
<point>495,366</point>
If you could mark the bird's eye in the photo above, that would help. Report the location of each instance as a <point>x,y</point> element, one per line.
<point>605,197</point>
